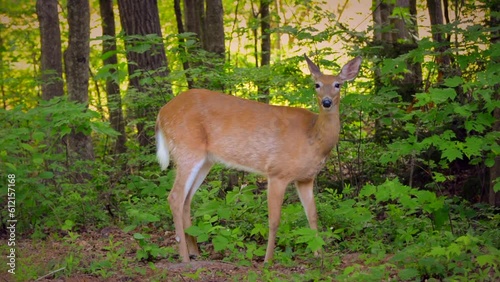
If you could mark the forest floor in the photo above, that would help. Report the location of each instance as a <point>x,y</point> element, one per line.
<point>110,255</point>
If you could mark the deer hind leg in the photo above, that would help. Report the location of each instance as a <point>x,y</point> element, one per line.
<point>202,173</point>
<point>186,175</point>
<point>275,194</point>
<point>306,195</point>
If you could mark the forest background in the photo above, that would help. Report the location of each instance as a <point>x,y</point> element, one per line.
<point>411,192</point>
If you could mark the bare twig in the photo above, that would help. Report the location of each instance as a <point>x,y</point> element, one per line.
<point>50,273</point>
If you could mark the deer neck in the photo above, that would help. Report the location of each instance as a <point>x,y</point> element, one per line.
<point>326,129</point>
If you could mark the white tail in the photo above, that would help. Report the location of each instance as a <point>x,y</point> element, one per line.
<point>201,127</point>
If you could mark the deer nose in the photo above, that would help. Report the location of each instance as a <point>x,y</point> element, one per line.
<point>326,102</point>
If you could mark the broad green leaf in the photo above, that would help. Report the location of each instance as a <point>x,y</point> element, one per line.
<point>38,136</point>
<point>496,187</point>
<point>451,153</point>
<point>483,260</point>
<point>220,243</point>
<point>453,81</point>
<point>139,236</point>
<point>437,251</point>
<point>368,190</point>
<point>129,228</point>
<point>440,95</point>
<point>408,274</point>
<point>104,128</point>
<point>27,147</point>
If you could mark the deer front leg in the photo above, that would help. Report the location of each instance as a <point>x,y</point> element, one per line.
<point>275,193</point>
<point>306,195</point>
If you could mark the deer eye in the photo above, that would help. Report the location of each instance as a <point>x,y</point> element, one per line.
<point>317,85</point>
<point>336,85</point>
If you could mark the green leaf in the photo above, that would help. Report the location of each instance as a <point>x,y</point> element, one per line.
<point>139,48</point>
<point>453,81</point>
<point>441,217</point>
<point>65,130</point>
<point>201,232</point>
<point>440,95</point>
<point>489,162</point>
<point>37,160</point>
<point>27,147</point>
<point>437,251</point>
<point>139,236</point>
<point>46,175</point>
<point>194,230</point>
<point>220,243</point>
<point>496,187</point>
<point>368,190</point>
<point>104,128</point>
<point>38,136</point>
<point>316,243</point>
<point>483,260</point>
<point>451,153</point>
<point>68,225</point>
<point>408,274</point>
<point>129,228</point>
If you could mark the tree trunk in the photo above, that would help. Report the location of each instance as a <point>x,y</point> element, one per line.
<point>214,28</point>
<point>395,35</point>
<point>435,8</point>
<point>182,47</point>
<point>112,87</point>
<point>142,18</point>
<point>193,17</point>
<point>494,197</point>
<point>51,55</point>
<point>205,18</point>
<point>265,56</point>
<point>77,75</point>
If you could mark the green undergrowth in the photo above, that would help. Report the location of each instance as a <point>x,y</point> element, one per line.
<point>389,231</point>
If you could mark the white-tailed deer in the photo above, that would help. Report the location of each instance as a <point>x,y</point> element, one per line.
<point>199,127</point>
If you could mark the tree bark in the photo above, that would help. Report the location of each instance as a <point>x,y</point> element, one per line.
<point>142,18</point>
<point>398,36</point>
<point>494,197</point>
<point>205,18</point>
<point>435,8</point>
<point>182,47</point>
<point>193,17</point>
<point>77,74</point>
<point>51,55</point>
<point>214,28</point>
<point>112,87</point>
<point>265,47</point>
<point>395,35</point>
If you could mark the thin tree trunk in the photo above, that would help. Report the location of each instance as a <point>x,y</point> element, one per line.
<point>494,197</point>
<point>51,54</point>
<point>182,48</point>
<point>436,18</point>
<point>112,87</point>
<point>77,73</point>
<point>142,18</point>
<point>265,56</point>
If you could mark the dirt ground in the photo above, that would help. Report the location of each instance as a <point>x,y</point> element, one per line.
<point>71,259</point>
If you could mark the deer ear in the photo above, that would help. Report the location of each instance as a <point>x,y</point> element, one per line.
<point>315,71</point>
<point>351,69</point>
